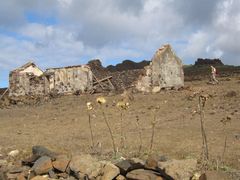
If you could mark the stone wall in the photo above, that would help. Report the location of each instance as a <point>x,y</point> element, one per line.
<point>31,81</point>
<point>26,84</point>
<point>69,80</point>
<point>164,71</point>
<point>18,84</point>
<point>207,61</point>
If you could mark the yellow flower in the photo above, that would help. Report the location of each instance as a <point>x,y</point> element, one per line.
<point>123,105</point>
<point>101,100</point>
<point>89,106</point>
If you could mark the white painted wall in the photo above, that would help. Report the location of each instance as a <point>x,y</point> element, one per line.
<point>31,69</point>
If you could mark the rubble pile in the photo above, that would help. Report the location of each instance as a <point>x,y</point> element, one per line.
<point>126,79</point>
<point>128,65</point>
<point>44,164</point>
<point>121,80</point>
<point>206,61</point>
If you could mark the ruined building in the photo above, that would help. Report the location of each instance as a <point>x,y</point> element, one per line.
<point>213,62</point>
<point>29,80</point>
<point>68,80</point>
<point>163,71</point>
<point>22,81</point>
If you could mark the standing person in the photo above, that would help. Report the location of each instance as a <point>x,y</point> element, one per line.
<point>214,72</point>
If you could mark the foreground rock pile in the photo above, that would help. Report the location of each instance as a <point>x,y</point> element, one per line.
<point>44,164</point>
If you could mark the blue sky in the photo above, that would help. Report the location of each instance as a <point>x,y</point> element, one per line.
<point>69,32</point>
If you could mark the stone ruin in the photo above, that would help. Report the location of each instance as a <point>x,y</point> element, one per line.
<point>201,61</point>
<point>29,80</point>
<point>163,71</point>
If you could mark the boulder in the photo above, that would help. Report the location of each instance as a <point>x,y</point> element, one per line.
<point>136,163</point>
<point>179,169</point>
<point>62,175</point>
<point>52,174</point>
<point>30,160</point>
<point>42,166</point>
<point>109,171</point>
<point>61,163</point>
<point>120,177</point>
<point>85,164</point>
<point>124,166</point>
<point>42,151</point>
<point>141,174</point>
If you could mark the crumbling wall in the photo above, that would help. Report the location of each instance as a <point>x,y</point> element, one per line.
<point>26,84</point>
<point>18,84</point>
<point>38,86</point>
<point>164,71</point>
<point>122,78</point>
<point>70,79</point>
<point>26,80</point>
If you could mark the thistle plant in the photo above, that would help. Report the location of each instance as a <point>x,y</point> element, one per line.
<point>153,123</point>
<point>201,106</point>
<point>101,101</point>
<point>90,108</point>
<point>123,106</point>
<point>224,123</point>
<point>139,134</point>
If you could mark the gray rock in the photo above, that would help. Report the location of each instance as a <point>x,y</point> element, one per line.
<point>136,163</point>
<point>42,166</point>
<point>124,166</point>
<point>52,174</point>
<point>42,151</point>
<point>30,161</point>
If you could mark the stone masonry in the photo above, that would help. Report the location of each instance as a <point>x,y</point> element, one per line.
<point>164,71</point>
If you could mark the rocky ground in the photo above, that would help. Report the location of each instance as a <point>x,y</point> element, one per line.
<point>62,125</point>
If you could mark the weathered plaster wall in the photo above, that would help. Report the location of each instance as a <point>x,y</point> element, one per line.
<point>18,84</point>
<point>25,84</point>
<point>34,70</point>
<point>22,82</point>
<point>31,81</point>
<point>70,79</point>
<point>164,71</point>
<point>167,69</point>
